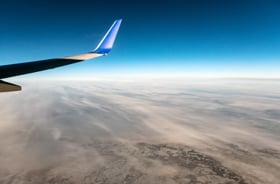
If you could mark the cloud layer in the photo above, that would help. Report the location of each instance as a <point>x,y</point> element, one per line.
<point>85,131</point>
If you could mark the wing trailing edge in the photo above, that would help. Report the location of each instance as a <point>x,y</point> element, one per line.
<point>8,87</point>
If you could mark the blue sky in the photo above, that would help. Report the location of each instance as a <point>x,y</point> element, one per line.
<point>231,38</point>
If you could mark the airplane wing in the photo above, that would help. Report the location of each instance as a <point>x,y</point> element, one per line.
<point>102,49</point>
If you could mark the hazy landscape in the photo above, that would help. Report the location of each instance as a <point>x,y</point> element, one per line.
<point>141,131</point>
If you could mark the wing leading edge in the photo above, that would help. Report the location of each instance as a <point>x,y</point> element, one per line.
<point>102,49</point>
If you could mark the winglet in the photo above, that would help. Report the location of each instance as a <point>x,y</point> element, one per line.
<point>107,42</point>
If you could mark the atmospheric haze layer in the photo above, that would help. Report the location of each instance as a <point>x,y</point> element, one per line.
<point>176,131</point>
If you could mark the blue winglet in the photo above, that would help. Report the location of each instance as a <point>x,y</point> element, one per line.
<point>107,42</point>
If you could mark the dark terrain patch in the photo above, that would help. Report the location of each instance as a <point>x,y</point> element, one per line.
<point>137,164</point>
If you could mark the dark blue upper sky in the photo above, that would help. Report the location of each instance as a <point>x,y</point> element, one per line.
<point>169,37</point>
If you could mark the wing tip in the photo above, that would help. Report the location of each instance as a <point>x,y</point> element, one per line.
<point>107,42</point>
